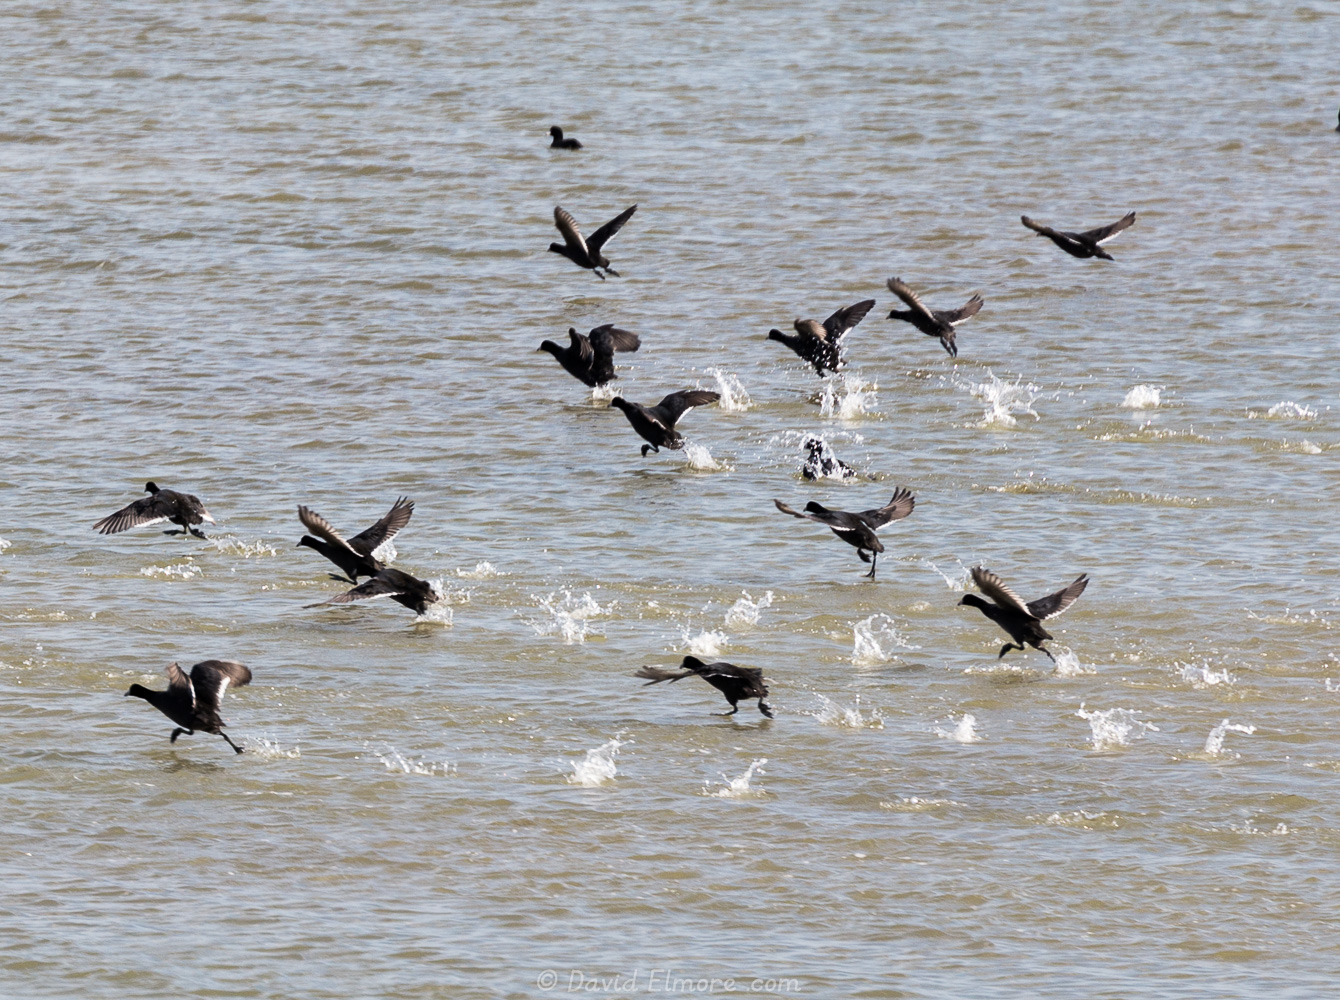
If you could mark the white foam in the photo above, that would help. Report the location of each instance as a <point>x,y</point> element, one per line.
<point>875,639</point>
<point>830,713</point>
<point>847,397</point>
<point>1142,397</point>
<point>698,457</point>
<point>1068,665</point>
<point>1214,743</point>
<point>1201,675</point>
<point>1004,400</point>
<point>734,398</point>
<point>705,643</point>
<point>1281,830</point>
<point>964,731</point>
<point>179,571</point>
<point>1289,410</point>
<point>1114,727</point>
<point>397,762</point>
<point>597,767</point>
<point>738,788</point>
<point>568,617</point>
<point>235,546</point>
<point>745,612</point>
<point>4,544</point>
<point>259,746</point>
<point>482,571</point>
<point>912,803</point>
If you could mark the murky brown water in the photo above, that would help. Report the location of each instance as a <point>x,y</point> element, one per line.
<point>295,253</point>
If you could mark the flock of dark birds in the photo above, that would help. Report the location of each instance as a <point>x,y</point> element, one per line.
<point>193,701</point>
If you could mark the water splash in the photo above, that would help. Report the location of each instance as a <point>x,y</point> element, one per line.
<point>1142,397</point>
<point>179,571</point>
<point>705,643</point>
<point>1214,743</point>
<point>734,398</point>
<point>385,552</point>
<point>956,581</point>
<point>964,731</point>
<point>568,617</point>
<point>738,788</point>
<point>1201,675</point>
<point>237,547</point>
<point>874,640</point>
<point>597,767</point>
<point>1286,410</point>
<point>604,393</point>
<point>482,571</point>
<point>1113,728</point>
<point>4,544</point>
<point>393,760</point>
<point>1068,665</point>
<point>847,397</point>
<point>821,463</point>
<point>698,457</point>
<point>1004,400</point>
<point>912,803</point>
<point>830,713</point>
<point>259,746</point>
<point>745,612</point>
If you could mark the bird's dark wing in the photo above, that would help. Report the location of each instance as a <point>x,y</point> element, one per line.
<point>609,338</point>
<point>956,316</point>
<point>994,587</point>
<point>908,296</point>
<point>1044,230</point>
<point>895,510</point>
<point>318,525</point>
<point>211,677</point>
<point>179,685</point>
<point>368,541</point>
<point>812,329</point>
<point>750,678</point>
<point>378,586</point>
<point>572,236</point>
<point>606,232</point>
<point>1053,604</point>
<point>654,675</point>
<point>146,510</point>
<point>841,322</point>
<point>1104,233</point>
<point>674,405</point>
<point>821,519</point>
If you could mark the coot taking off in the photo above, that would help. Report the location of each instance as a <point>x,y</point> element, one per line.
<point>821,463</point>
<point>657,423</point>
<point>736,683</point>
<point>1022,621</point>
<point>160,505</point>
<point>193,702</point>
<point>355,556</point>
<point>1086,244</point>
<point>590,358</point>
<point>402,588</point>
<point>858,529</point>
<point>561,143</point>
<point>934,323</point>
<point>583,252</point>
<point>820,343</point>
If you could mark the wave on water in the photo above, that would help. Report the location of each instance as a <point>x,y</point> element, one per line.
<point>745,612</point>
<point>875,639</point>
<point>397,762</point>
<point>848,397</point>
<point>734,398</point>
<point>235,546</point>
<point>178,571</point>
<point>964,731</point>
<point>1284,410</point>
<point>568,617</point>
<point>1115,727</point>
<point>259,746</point>
<point>1303,447</point>
<point>1068,665</point>
<point>912,803</point>
<point>597,767</point>
<point>698,457</point>
<point>1214,743</point>
<point>1081,819</point>
<point>1004,400</point>
<point>738,788</point>
<point>482,571</point>
<point>830,713</point>
<point>1142,397</point>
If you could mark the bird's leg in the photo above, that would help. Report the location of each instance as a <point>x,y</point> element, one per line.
<point>231,743</point>
<point>765,708</point>
<point>1007,647</point>
<point>610,270</point>
<point>874,558</point>
<point>596,272</point>
<point>1047,651</point>
<point>733,710</point>
<point>177,732</point>
<point>196,531</point>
